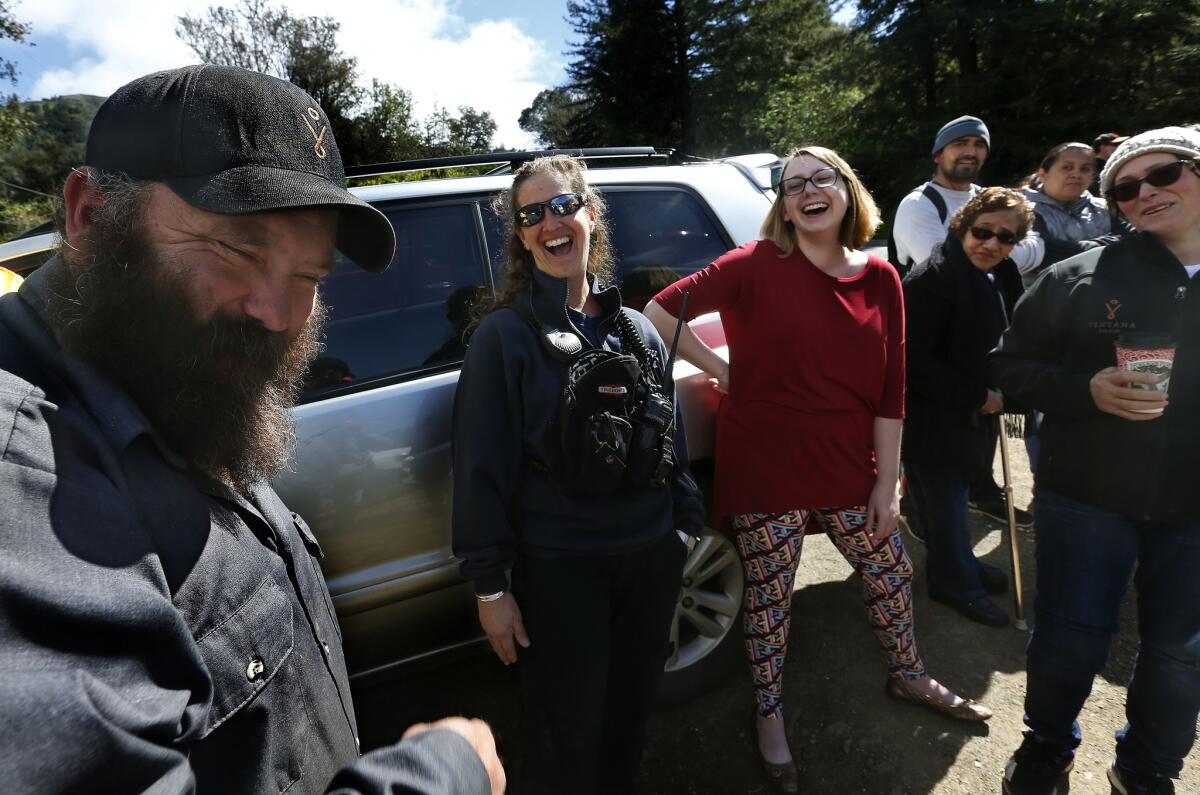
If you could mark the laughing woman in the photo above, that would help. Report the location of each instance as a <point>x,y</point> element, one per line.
<point>596,560</point>
<point>808,433</point>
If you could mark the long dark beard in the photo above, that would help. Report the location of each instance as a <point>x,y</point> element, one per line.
<point>219,391</point>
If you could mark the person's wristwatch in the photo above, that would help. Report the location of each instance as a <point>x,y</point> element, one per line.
<point>489,597</point>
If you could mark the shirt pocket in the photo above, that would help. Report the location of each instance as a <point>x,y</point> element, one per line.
<point>257,701</point>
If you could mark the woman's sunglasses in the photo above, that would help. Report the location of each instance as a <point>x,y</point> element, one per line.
<point>1159,177</point>
<point>563,204</point>
<point>983,234</point>
<point>824,178</point>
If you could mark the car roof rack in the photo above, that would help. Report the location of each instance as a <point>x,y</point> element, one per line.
<point>511,161</point>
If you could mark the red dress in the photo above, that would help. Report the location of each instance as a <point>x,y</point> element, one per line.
<point>813,360</point>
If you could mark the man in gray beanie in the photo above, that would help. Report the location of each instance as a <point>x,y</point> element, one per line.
<point>1116,488</point>
<point>960,149</point>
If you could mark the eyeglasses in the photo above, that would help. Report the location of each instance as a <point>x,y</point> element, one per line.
<point>563,204</point>
<point>983,234</point>
<point>824,178</point>
<point>1159,176</point>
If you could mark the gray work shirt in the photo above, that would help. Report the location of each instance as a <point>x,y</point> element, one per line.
<point>159,631</point>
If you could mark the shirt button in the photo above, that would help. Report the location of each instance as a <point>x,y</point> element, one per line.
<point>255,669</point>
<point>357,745</point>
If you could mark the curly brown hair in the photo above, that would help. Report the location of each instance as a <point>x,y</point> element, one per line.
<point>519,273</point>
<point>993,200</point>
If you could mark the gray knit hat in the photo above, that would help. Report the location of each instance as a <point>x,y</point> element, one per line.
<point>1175,140</point>
<point>961,128</point>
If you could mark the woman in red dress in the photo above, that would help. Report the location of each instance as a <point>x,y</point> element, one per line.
<point>808,431</point>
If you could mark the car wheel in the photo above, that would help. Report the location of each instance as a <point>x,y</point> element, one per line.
<point>706,630</point>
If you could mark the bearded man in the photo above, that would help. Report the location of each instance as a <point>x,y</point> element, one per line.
<point>163,620</point>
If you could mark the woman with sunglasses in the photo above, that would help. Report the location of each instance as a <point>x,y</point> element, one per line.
<point>594,575</point>
<point>808,430</point>
<point>1067,218</point>
<point>958,303</point>
<point>1117,485</point>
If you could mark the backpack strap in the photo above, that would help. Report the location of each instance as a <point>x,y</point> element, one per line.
<point>939,203</point>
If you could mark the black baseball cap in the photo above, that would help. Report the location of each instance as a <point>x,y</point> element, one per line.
<point>233,141</point>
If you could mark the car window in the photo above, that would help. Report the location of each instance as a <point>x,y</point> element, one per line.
<point>659,234</point>
<point>410,317</point>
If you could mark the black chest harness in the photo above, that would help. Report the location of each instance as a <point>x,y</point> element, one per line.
<point>615,426</point>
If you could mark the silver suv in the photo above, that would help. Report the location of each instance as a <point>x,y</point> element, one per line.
<point>372,471</point>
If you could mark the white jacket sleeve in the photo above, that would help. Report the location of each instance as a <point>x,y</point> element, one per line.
<point>1028,253</point>
<point>917,228</point>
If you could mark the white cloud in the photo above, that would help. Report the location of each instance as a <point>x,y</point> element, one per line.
<point>424,46</point>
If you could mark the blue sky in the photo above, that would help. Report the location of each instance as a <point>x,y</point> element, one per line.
<point>494,55</point>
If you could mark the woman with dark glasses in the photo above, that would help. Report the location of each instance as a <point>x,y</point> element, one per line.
<point>808,430</point>
<point>958,304</point>
<point>1117,489</point>
<point>1067,218</point>
<point>596,552</point>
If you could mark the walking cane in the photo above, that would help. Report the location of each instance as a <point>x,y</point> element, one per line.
<point>1014,550</point>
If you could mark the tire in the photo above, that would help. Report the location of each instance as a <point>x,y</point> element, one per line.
<point>706,630</point>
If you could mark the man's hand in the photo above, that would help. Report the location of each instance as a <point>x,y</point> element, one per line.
<point>477,733</point>
<point>501,622</point>
<point>994,403</point>
<point>1113,395</point>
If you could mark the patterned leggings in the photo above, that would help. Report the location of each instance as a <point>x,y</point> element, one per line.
<point>770,548</point>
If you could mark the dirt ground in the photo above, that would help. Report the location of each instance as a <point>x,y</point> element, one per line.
<point>848,737</point>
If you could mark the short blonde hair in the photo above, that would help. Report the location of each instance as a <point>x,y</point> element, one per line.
<point>862,214</point>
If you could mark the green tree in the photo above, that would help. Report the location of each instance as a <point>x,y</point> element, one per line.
<point>627,73</point>
<point>302,50</point>
<point>446,135</point>
<point>701,75</point>
<point>1038,73</point>
<point>12,118</point>
<point>551,117</point>
<point>387,130</point>
<point>370,126</point>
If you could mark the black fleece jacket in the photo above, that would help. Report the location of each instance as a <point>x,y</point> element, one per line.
<point>1062,334</point>
<point>506,402</point>
<point>954,315</point>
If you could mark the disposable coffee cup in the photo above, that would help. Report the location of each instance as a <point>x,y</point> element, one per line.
<point>1143,352</point>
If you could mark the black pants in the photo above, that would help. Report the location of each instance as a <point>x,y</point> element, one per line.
<point>598,630</point>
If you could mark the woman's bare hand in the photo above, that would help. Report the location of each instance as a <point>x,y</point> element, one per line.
<point>501,622</point>
<point>720,379</point>
<point>883,508</point>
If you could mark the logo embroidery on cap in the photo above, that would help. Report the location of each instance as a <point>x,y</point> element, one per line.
<point>318,136</point>
<point>1111,308</point>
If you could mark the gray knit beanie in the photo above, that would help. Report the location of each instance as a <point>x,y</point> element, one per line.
<point>961,128</point>
<point>1174,140</point>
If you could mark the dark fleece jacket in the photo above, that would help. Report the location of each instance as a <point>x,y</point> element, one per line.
<point>504,409</point>
<point>954,315</point>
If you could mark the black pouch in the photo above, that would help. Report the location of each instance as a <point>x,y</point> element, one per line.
<point>595,427</point>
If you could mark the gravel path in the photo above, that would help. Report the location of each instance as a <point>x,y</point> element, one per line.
<point>847,735</point>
